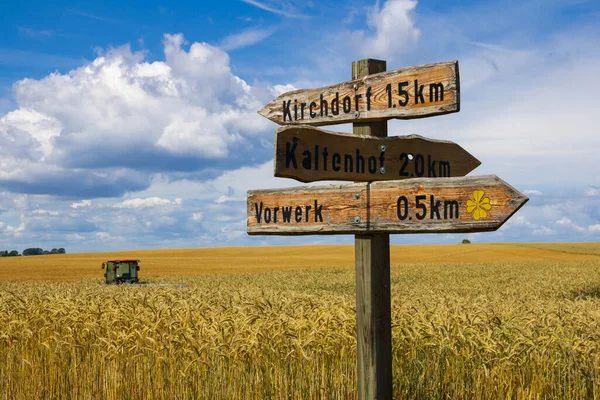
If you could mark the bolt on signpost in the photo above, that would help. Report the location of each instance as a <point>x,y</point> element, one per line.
<point>406,184</point>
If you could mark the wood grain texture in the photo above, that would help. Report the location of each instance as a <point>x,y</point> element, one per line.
<point>340,206</point>
<point>373,299</point>
<point>373,316</point>
<point>307,154</point>
<point>416,99</point>
<point>360,208</point>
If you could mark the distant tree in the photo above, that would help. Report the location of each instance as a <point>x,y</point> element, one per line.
<point>54,251</point>
<point>46,252</point>
<point>3,253</point>
<point>466,241</point>
<point>13,253</point>
<point>61,251</point>
<point>33,251</point>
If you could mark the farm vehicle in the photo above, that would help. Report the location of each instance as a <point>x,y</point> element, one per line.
<point>121,271</point>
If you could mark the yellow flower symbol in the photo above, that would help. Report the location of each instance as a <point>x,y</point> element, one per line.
<point>479,205</point>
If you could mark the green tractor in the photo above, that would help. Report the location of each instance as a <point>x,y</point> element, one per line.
<point>121,271</point>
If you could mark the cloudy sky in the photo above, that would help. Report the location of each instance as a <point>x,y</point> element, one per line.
<point>129,126</point>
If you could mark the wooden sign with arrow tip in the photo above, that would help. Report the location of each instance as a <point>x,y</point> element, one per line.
<point>310,154</point>
<point>389,203</point>
<point>422,205</point>
<point>405,93</point>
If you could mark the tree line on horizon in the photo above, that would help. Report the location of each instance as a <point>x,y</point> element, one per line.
<point>31,251</point>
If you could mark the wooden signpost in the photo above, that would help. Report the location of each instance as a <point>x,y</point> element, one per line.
<point>404,185</point>
<point>406,93</point>
<point>310,154</point>
<point>426,205</point>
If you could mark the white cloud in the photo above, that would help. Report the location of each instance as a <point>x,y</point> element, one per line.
<point>245,38</point>
<point>227,187</point>
<point>103,235</point>
<point>29,124</point>
<point>146,203</point>
<point>10,231</point>
<point>543,231</point>
<point>289,12</point>
<point>567,223</point>
<point>106,123</point>
<point>224,199</point>
<point>503,123</point>
<point>47,212</point>
<point>281,89</point>
<point>231,234</point>
<point>74,237</point>
<point>594,228</point>
<point>393,28</point>
<point>592,191</point>
<point>197,217</point>
<point>533,192</point>
<point>82,203</point>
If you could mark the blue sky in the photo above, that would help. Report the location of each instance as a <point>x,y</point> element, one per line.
<point>133,124</point>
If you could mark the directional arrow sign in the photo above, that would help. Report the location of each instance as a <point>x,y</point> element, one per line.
<point>421,205</point>
<point>414,92</point>
<point>310,154</point>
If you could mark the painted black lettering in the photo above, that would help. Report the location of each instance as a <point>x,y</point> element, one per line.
<point>287,214</point>
<point>347,104</point>
<point>335,104</point>
<point>434,208</point>
<point>348,163</point>
<point>431,167</point>
<point>444,168</point>
<point>419,165</point>
<point>451,209</point>
<point>323,106</point>
<point>290,154</point>
<point>360,163</point>
<point>369,98</point>
<point>286,110</point>
<point>275,210</point>
<point>388,89</point>
<point>403,93</point>
<point>325,154</point>
<point>298,213</point>
<point>311,112</point>
<point>258,211</point>
<point>302,105</point>
<point>419,92</point>
<point>336,159</point>
<point>403,156</point>
<point>421,206</point>
<point>295,110</point>
<point>438,89</point>
<point>307,160</point>
<point>402,208</point>
<point>316,153</point>
<point>356,101</point>
<point>318,210</point>
<point>267,215</point>
<point>372,164</point>
<point>307,212</point>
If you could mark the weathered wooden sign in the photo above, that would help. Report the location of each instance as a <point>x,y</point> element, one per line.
<point>405,93</point>
<point>309,154</point>
<point>390,202</point>
<point>423,205</point>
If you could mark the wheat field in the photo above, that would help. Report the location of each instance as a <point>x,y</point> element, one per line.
<point>518,321</point>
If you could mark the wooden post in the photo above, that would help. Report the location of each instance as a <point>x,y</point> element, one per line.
<point>373,300</point>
